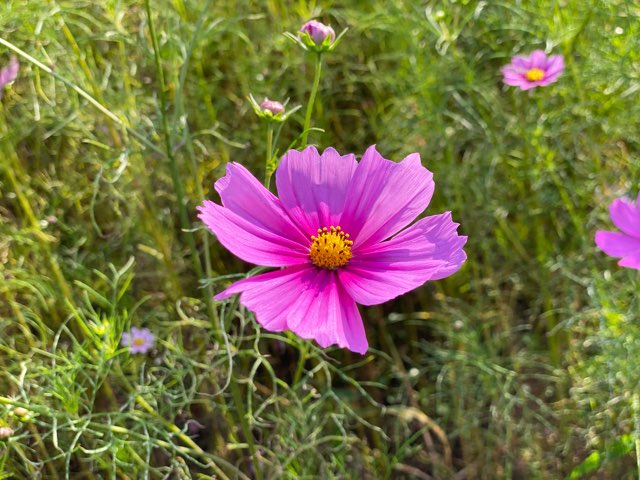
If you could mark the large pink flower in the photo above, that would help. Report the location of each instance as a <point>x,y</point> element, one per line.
<point>535,70</point>
<point>625,215</point>
<point>337,228</point>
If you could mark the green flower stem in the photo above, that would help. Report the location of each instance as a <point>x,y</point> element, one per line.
<point>312,99</point>
<point>244,424</point>
<point>268,171</point>
<point>636,418</point>
<point>173,165</point>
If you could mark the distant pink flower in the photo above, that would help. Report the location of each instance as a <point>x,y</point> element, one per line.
<point>536,70</point>
<point>338,227</point>
<point>9,73</point>
<point>272,106</point>
<point>625,215</point>
<point>139,340</point>
<point>318,31</point>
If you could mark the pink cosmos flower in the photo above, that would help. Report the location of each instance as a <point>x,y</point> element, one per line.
<point>139,340</point>
<point>338,228</point>
<point>318,31</point>
<point>8,74</point>
<point>536,70</point>
<point>625,214</point>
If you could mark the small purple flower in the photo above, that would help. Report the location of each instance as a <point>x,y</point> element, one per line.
<point>625,214</point>
<point>536,70</point>
<point>9,73</point>
<point>272,106</point>
<point>318,31</point>
<point>139,340</point>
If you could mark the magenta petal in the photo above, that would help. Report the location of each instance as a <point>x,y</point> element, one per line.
<point>245,196</point>
<point>307,301</point>
<point>625,215</point>
<point>9,73</point>
<point>385,197</point>
<point>630,262</point>
<point>430,249</point>
<point>518,61</point>
<point>617,244</point>
<point>313,188</point>
<point>250,241</point>
<point>538,59</point>
<point>555,66</point>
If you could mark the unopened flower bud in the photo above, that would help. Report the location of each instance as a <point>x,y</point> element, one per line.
<point>5,432</point>
<point>20,412</point>
<point>318,31</point>
<point>272,106</point>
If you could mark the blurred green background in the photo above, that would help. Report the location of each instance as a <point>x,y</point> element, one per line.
<point>523,365</point>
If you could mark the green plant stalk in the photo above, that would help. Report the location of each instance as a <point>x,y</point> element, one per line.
<point>312,99</point>
<point>268,172</point>
<point>244,424</point>
<point>175,174</point>
<point>191,153</point>
<point>301,361</point>
<point>636,418</point>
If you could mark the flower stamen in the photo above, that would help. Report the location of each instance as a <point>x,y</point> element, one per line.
<point>331,248</point>
<point>534,74</point>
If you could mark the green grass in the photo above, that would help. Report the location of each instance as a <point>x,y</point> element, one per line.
<point>522,365</point>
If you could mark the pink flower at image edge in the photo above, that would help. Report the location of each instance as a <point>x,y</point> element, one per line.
<point>341,230</point>
<point>9,73</point>
<point>625,214</point>
<point>139,340</point>
<point>535,70</point>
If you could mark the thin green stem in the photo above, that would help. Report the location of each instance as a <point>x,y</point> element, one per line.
<point>301,361</point>
<point>173,165</point>
<point>268,170</point>
<point>636,417</point>
<point>192,155</point>
<point>244,424</point>
<point>312,99</point>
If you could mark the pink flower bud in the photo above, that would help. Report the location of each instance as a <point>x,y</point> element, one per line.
<point>318,31</point>
<point>272,106</point>
<point>5,432</point>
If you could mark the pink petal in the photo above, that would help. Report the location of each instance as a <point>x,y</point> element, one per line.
<point>625,215</point>
<point>555,66</point>
<point>245,196</point>
<point>515,81</point>
<point>306,300</point>
<point>521,62</point>
<point>538,59</point>
<point>385,197</point>
<point>9,73</point>
<point>250,241</point>
<point>313,188</point>
<point>630,262</point>
<point>428,250</point>
<point>616,244</point>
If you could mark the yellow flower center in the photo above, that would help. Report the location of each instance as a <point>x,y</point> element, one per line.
<point>138,341</point>
<point>331,248</point>
<point>534,74</point>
